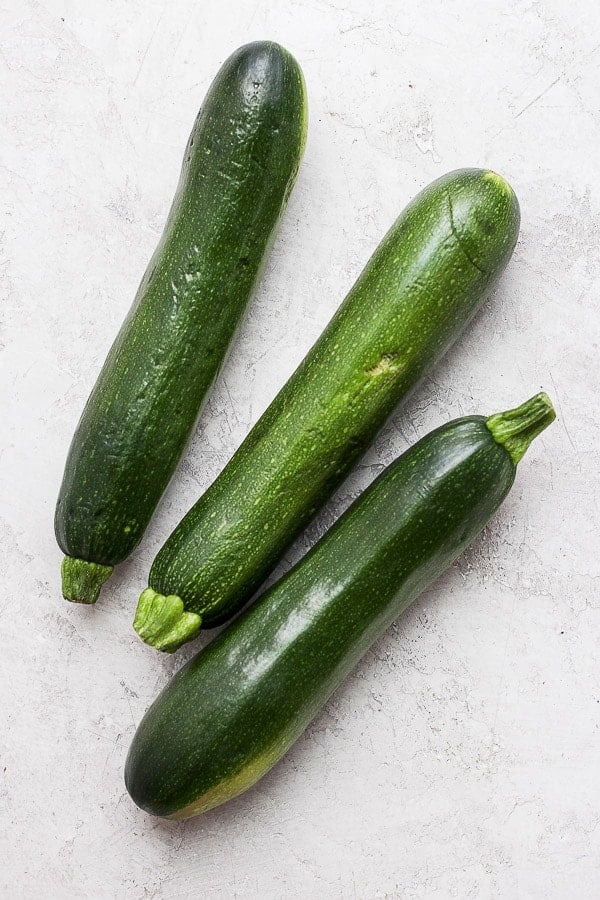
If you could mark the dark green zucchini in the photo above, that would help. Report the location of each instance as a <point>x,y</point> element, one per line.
<point>240,164</point>
<point>236,707</point>
<point>419,289</point>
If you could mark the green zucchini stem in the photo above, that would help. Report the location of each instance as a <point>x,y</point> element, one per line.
<point>515,429</point>
<point>82,580</point>
<point>162,622</point>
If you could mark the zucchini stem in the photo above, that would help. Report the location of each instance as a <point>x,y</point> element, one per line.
<point>82,580</point>
<point>515,429</point>
<point>162,621</point>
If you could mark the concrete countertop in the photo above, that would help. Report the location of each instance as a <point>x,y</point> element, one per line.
<point>461,758</point>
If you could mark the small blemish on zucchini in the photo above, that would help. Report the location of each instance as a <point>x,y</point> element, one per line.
<point>387,365</point>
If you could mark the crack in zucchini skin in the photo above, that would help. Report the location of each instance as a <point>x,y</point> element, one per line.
<point>420,288</point>
<point>238,705</point>
<point>240,164</point>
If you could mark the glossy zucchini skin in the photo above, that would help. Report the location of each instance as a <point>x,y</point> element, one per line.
<point>240,164</point>
<point>419,289</point>
<point>237,706</point>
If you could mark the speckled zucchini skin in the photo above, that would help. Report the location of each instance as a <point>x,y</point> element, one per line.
<point>237,706</point>
<point>419,289</point>
<point>240,164</point>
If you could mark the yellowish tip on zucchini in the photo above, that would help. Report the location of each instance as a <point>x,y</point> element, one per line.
<point>163,623</point>
<point>232,786</point>
<point>498,180</point>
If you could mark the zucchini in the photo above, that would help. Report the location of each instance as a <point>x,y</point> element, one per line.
<point>419,289</point>
<point>240,164</point>
<point>237,706</point>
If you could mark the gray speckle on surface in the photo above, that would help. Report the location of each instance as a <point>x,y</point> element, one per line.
<point>461,758</point>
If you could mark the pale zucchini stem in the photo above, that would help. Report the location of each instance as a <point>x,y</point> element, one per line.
<point>515,429</point>
<point>82,580</point>
<point>162,621</point>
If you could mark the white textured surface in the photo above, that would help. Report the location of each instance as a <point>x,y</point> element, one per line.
<point>461,759</point>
